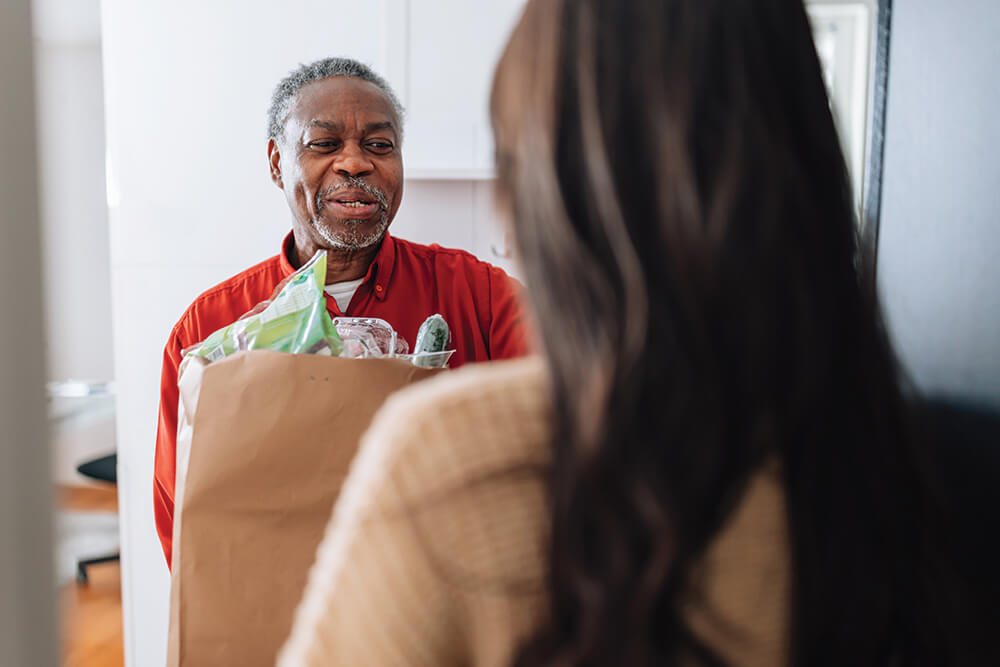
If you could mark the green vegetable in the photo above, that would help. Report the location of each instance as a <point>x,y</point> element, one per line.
<point>295,320</point>
<point>433,336</point>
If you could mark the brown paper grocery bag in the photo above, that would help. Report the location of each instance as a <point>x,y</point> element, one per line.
<point>269,442</point>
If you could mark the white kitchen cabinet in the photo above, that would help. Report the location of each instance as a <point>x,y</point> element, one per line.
<point>447,51</point>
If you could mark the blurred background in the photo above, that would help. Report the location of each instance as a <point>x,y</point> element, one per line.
<point>152,186</point>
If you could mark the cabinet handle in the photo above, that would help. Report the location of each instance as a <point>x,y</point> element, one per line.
<point>502,252</point>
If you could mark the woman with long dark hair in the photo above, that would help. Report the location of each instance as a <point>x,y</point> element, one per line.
<point>712,465</point>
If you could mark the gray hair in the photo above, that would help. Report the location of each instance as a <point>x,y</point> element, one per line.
<point>288,88</point>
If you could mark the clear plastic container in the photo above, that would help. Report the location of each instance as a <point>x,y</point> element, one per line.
<point>368,337</point>
<point>429,359</point>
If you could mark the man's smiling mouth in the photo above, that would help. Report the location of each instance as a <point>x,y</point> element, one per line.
<point>354,200</point>
<point>353,195</point>
<point>352,205</point>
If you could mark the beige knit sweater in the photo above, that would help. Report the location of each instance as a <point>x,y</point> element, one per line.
<point>435,554</point>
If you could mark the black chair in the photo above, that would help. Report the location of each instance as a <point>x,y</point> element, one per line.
<point>104,469</point>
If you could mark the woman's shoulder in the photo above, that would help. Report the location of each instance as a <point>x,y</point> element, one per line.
<point>459,426</point>
<point>492,412</point>
<point>518,385</point>
<point>435,523</point>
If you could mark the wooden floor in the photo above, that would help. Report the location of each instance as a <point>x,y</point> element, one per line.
<point>92,612</point>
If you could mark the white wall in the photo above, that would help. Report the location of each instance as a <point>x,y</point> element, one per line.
<point>940,229</point>
<point>27,587</point>
<point>76,256</point>
<point>186,90</point>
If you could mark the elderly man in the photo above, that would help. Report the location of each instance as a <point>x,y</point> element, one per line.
<point>334,142</point>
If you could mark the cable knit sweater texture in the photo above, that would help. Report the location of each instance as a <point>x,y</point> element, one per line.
<point>436,551</point>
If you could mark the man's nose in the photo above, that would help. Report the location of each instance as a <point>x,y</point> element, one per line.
<point>352,161</point>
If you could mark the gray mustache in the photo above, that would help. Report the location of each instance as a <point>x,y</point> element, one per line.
<point>352,183</point>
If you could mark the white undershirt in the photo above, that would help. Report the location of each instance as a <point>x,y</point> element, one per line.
<point>343,292</point>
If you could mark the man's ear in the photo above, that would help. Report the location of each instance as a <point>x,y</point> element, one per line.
<point>274,162</point>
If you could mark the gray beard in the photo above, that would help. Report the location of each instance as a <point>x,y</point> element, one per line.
<point>356,237</point>
<point>360,234</point>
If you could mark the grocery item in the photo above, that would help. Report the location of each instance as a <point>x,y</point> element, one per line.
<point>294,320</point>
<point>433,335</point>
<point>367,337</point>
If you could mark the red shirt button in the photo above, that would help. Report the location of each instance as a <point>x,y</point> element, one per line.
<point>378,288</point>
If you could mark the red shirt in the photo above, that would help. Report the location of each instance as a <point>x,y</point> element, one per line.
<point>405,284</point>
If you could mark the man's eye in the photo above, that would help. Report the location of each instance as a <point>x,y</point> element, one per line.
<point>379,147</point>
<point>322,145</point>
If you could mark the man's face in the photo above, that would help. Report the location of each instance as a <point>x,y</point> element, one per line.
<point>339,162</point>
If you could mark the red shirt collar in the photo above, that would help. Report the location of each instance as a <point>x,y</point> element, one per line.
<point>380,270</point>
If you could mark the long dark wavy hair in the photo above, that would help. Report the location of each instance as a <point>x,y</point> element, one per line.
<point>684,219</point>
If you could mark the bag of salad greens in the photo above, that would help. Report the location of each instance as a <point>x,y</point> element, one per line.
<point>293,320</point>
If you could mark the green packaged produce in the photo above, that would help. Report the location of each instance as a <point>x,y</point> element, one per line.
<point>294,320</point>
<point>433,335</point>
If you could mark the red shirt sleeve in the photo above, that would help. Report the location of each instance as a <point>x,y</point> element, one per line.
<point>165,462</point>
<point>508,335</point>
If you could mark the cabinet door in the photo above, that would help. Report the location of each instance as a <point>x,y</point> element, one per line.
<point>445,52</point>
